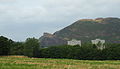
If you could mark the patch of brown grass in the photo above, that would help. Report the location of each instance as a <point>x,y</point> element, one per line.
<point>15,56</point>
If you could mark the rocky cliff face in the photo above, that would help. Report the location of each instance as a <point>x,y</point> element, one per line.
<point>48,40</point>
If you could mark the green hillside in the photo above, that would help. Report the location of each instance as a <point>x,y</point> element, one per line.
<point>87,29</point>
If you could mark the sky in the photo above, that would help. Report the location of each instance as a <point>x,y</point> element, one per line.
<point>21,19</point>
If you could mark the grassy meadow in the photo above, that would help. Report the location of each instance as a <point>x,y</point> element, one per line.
<point>21,62</point>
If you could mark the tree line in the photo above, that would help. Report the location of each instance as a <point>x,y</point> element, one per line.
<point>31,48</point>
<point>28,48</point>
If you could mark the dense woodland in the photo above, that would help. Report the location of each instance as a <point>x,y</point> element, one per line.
<point>31,48</point>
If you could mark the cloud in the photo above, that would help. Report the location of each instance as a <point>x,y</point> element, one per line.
<point>24,17</point>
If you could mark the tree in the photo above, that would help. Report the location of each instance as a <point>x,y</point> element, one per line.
<point>17,48</point>
<point>85,52</point>
<point>31,47</point>
<point>5,45</point>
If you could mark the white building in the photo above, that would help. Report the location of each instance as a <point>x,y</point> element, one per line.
<point>99,43</point>
<point>74,42</point>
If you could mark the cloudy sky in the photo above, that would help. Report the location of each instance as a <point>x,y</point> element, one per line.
<point>20,19</point>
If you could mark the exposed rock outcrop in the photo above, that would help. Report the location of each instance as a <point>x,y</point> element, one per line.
<point>48,40</point>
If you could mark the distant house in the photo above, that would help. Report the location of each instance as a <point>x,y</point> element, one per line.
<point>74,42</point>
<point>99,43</point>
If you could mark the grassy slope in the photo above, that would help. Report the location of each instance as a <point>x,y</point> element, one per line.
<point>42,63</point>
<point>108,29</point>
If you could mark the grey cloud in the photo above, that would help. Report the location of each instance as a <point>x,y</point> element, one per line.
<point>28,18</point>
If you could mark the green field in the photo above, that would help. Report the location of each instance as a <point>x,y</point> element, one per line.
<point>19,62</point>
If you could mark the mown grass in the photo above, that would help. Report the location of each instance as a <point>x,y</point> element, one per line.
<point>43,63</point>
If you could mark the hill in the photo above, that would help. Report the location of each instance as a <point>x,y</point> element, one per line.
<point>85,30</point>
<point>88,29</point>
